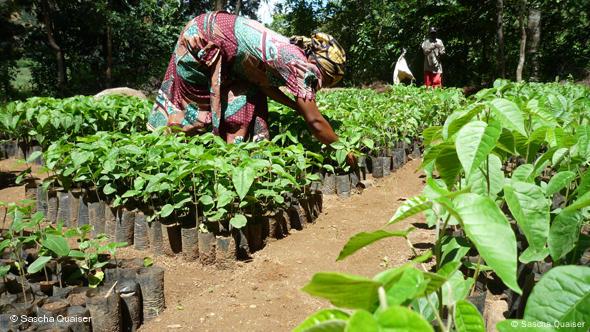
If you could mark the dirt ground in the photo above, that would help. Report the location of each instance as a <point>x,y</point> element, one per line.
<point>264,294</point>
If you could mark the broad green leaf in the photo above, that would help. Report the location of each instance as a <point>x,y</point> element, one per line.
<point>38,264</point>
<point>402,319</point>
<point>481,217</point>
<point>238,221</point>
<point>448,165</point>
<point>584,185</point>
<point>530,208</point>
<point>559,181</point>
<point>109,189</point>
<point>57,244</point>
<point>456,288</point>
<point>509,114</point>
<point>467,318</point>
<point>33,156</point>
<point>582,202</point>
<point>453,249</point>
<point>410,207</point>
<point>479,182</point>
<point>562,295</point>
<point>335,318</point>
<point>457,120</point>
<point>523,173</point>
<point>474,142</point>
<point>364,239</point>
<point>410,284</point>
<point>558,156</point>
<point>166,210</point>
<point>242,178</point>
<point>582,146</point>
<point>344,290</point>
<point>564,233</point>
<point>362,320</point>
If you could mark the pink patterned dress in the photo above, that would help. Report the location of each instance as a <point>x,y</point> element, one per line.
<point>216,71</point>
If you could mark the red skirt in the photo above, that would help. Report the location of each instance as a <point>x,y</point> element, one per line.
<point>432,79</point>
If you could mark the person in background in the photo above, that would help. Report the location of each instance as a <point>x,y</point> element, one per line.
<point>225,66</point>
<point>433,48</point>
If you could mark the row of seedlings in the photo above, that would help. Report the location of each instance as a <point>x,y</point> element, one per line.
<point>121,204</point>
<point>188,234</point>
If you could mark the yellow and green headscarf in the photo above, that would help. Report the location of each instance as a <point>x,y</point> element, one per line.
<point>327,53</point>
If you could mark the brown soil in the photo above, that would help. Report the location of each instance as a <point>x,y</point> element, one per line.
<point>265,293</point>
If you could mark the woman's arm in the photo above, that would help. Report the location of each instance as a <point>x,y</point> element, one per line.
<point>319,127</point>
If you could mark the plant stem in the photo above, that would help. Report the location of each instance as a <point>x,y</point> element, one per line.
<point>382,298</point>
<point>475,276</point>
<point>436,313</point>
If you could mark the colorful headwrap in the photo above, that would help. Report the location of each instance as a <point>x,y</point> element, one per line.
<point>327,53</point>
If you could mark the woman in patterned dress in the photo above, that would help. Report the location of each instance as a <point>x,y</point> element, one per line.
<point>225,66</point>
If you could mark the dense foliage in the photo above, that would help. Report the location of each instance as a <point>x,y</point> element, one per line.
<point>45,120</point>
<point>507,192</point>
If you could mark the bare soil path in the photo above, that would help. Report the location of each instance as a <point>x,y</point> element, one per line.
<point>264,294</point>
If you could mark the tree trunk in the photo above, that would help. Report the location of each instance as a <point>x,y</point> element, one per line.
<point>534,31</point>
<point>238,7</point>
<point>109,70</point>
<point>521,55</point>
<point>500,59</point>
<point>59,53</point>
<point>219,4</point>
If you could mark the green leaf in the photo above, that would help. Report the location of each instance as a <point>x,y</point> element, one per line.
<point>109,189</point>
<point>57,244</point>
<point>456,288</point>
<point>564,233</point>
<point>559,181</point>
<point>474,142</point>
<point>242,178</point>
<point>481,217</point>
<point>530,208</point>
<point>238,221</point>
<point>448,165</point>
<point>148,261</point>
<point>479,182</point>
<point>410,207</point>
<point>467,318</point>
<point>38,264</point>
<point>95,279</point>
<point>166,210</point>
<point>509,114</point>
<point>402,319</point>
<point>523,173</point>
<point>457,120</point>
<point>562,295</point>
<point>344,290</point>
<point>582,202</point>
<point>362,320</point>
<point>325,320</point>
<point>33,156</point>
<point>364,239</point>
